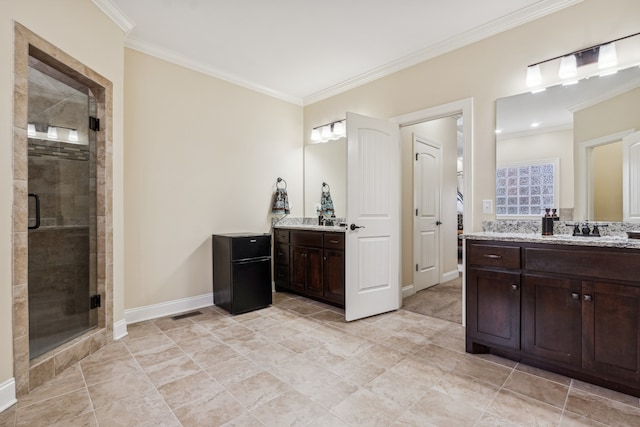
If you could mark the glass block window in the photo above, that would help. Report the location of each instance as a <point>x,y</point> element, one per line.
<point>526,189</point>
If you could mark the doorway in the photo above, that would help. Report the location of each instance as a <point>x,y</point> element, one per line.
<point>461,217</point>
<point>80,244</point>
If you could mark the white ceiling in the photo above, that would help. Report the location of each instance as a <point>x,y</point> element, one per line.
<point>306,50</point>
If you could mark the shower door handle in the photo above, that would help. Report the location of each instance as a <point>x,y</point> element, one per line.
<point>37,224</point>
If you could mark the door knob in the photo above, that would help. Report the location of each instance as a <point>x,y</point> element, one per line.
<point>353,226</point>
<point>438,222</point>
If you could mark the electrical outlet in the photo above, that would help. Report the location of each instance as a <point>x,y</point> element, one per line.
<point>487,207</point>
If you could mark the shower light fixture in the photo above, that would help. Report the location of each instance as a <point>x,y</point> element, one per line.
<point>73,135</point>
<point>31,130</point>
<point>328,132</point>
<point>52,132</point>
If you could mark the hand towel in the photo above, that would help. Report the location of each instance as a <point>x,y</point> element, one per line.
<point>280,201</point>
<point>326,204</point>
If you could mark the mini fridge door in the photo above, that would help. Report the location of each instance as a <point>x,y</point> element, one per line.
<point>251,287</point>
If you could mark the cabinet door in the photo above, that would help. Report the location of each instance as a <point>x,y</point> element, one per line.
<point>334,276</point>
<point>493,307</point>
<point>298,268</point>
<point>611,327</point>
<point>314,272</point>
<point>552,318</point>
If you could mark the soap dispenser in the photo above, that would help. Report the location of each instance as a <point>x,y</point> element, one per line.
<point>547,223</point>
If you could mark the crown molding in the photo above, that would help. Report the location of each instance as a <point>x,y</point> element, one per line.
<point>175,58</point>
<point>116,15</point>
<point>512,20</point>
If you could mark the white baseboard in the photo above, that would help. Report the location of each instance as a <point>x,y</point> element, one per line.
<point>120,329</point>
<point>168,308</point>
<point>408,290</point>
<point>7,394</point>
<point>450,275</point>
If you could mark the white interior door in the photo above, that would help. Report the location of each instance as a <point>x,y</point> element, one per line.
<point>427,171</point>
<point>631,177</point>
<point>373,204</point>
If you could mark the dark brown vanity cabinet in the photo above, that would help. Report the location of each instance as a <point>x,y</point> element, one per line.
<point>570,309</point>
<point>310,263</point>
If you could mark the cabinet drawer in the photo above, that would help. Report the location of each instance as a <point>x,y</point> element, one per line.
<point>281,236</point>
<point>334,241</point>
<point>579,261</point>
<point>281,254</point>
<point>281,275</point>
<point>493,255</point>
<point>306,238</point>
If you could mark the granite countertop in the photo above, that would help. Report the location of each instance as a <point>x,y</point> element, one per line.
<point>311,227</point>
<point>558,239</point>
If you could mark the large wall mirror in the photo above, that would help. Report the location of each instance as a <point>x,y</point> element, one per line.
<point>325,163</point>
<point>567,147</point>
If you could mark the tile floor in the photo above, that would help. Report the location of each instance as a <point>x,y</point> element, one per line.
<point>298,363</point>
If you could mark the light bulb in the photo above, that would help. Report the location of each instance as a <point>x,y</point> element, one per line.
<point>73,135</point>
<point>31,130</point>
<point>326,132</point>
<point>315,135</point>
<point>533,76</point>
<point>607,56</point>
<point>568,67</point>
<point>338,129</point>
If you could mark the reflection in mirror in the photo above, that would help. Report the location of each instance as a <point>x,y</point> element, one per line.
<point>580,128</point>
<point>325,163</point>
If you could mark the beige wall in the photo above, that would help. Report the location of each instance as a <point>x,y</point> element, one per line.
<point>607,182</point>
<point>97,42</point>
<point>540,146</point>
<point>202,157</point>
<point>608,117</point>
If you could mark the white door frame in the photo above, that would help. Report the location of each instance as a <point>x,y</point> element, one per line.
<point>464,106</point>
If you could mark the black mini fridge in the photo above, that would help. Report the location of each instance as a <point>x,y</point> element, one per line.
<point>241,271</point>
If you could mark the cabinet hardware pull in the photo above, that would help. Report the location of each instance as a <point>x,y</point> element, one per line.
<point>493,256</point>
<point>253,240</point>
<point>587,297</point>
<point>333,241</point>
<point>280,253</point>
<point>514,287</point>
<point>575,295</point>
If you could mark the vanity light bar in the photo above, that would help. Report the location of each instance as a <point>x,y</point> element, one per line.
<point>329,131</point>
<point>604,54</point>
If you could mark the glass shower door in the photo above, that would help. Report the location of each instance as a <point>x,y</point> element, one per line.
<point>62,209</point>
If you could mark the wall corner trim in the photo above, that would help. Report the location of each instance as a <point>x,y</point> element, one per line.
<point>119,329</point>
<point>115,14</point>
<point>8,394</point>
<point>154,311</point>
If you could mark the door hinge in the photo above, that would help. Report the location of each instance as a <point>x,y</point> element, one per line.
<point>94,123</point>
<point>95,301</point>
<point>416,267</point>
